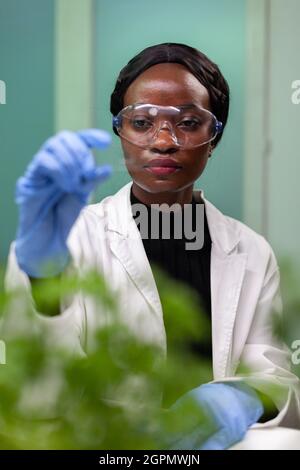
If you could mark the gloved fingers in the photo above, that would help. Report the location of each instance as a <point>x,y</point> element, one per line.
<point>248,398</point>
<point>82,139</point>
<point>44,169</point>
<point>34,210</point>
<point>47,167</point>
<point>94,177</point>
<point>91,175</point>
<point>221,403</point>
<point>95,138</point>
<point>71,168</point>
<point>34,196</point>
<point>78,150</point>
<point>81,175</point>
<point>79,145</point>
<point>24,190</point>
<point>196,424</point>
<point>66,160</point>
<point>233,409</point>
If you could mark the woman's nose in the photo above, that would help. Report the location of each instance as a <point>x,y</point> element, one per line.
<point>165,139</point>
<point>164,143</point>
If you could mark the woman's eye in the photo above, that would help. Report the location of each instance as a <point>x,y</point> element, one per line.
<point>190,124</point>
<point>142,124</point>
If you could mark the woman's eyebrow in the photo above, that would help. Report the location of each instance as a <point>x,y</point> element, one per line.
<point>186,105</point>
<point>189,105</point>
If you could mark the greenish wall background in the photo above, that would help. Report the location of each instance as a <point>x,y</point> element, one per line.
<point>26,120</point>
<point>60,59</point>
<point>215,27</point>
<point>284,160</point>
<point>74,64</point>
<point>272,164</point>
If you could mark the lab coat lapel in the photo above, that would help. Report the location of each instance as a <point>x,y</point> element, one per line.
<point>127,245</point>
<point>227,273</point>
<point>131,254</point>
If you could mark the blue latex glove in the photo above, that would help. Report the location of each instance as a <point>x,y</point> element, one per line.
<point>230,409</point>
<point>51,194</point>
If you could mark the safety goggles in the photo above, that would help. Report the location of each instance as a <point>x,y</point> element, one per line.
<point>188,126</point>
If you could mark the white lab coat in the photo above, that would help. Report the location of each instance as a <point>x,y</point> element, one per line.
<point>244,293</point>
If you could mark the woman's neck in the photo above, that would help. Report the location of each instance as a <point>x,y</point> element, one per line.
<point>182,197</point>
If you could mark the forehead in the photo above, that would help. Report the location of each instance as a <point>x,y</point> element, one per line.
<point>167,84</point>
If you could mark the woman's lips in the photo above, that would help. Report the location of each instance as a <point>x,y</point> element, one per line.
<point>163,166</point>
<point>162,170</point>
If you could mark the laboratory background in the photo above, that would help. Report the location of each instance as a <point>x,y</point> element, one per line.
<point>59,60</point>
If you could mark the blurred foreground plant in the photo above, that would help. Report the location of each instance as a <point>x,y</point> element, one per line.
<point>111,398</point>
<point>288,328</point>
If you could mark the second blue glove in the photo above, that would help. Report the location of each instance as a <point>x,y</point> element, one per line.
<point>230,408</point>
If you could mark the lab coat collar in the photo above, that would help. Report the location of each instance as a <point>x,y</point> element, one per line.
<point>223,236</point>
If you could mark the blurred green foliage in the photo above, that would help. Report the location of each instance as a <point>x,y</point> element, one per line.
<point>288,327</point>
<point>110,399</point>
<point>118,396</point>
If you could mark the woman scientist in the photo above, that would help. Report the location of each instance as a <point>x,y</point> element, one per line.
<point>169,106</point>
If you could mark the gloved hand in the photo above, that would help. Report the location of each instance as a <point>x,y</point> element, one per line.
<point>51,194</point>
<point>230,408</point>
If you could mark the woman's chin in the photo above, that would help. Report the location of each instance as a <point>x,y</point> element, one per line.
<point>159,184</point>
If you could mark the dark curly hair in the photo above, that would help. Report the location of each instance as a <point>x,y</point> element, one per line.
<point>206,71</point>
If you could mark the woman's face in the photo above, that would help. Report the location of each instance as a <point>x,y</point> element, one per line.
<point>166,84</point>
